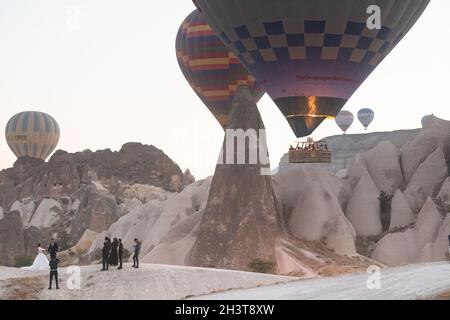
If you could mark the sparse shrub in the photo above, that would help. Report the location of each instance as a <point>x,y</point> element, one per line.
<point>97,255</point>
<point>385,209</point>
<point>261,266</point>
<point>23,261</point>
<point>126,254</point>
<point>442,207</point>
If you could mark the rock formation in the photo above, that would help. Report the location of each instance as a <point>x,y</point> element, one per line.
<point>401,214</point>
<point>319,213</point>
<point>427,179</point>
<point>11,238</point>
<point>64,174</point>
<point>435,134</point>
<point>363,210</point>
<point>96,211</point>
<point>444,194</point>
<point>312,203</point>
<point>390,201</point>
<point>168,223</point>
<point>72,193</point>
<point>239,224</point>
<point>77,255</point>
<point>406,247</point>
<point>383,164</point>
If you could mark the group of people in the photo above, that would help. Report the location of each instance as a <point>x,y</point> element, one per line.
<point>112,253</point>
<point>42,263</point>
<point>313,146</point>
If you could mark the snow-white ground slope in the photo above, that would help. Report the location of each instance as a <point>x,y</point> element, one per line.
<point>403,283</point>
<point>171,282</point>
<point>149,282</point>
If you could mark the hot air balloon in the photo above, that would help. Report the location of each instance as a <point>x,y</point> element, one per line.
<point>426,119</point>
<point>211,69</point>
<point>33,134</point>
<point>344,120</point>
<point>310,55</point>
<point>366,117</point>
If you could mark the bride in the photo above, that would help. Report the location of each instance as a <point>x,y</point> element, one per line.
<point>40,263</point>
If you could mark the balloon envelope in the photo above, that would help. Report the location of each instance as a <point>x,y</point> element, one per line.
<point>344,120</point>
<point>310,55</point>
<point>426,119</point>
<point>33,134</point>
<point>366,117</point>
<point>212,70</point>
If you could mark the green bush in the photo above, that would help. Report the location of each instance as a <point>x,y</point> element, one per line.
<point>261,266</point>
<point>23,261</point>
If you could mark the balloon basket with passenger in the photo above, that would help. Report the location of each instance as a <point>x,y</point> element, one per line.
<point>310,152</point>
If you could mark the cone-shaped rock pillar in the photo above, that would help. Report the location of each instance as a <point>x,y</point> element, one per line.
<point>240,221</point>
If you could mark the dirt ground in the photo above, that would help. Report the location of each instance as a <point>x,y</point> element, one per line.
<point>24,288</point>
<point>443,296</point>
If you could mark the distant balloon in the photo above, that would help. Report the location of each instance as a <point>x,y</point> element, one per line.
<point>310,55</point>
<point>425,119</point>
<point>211,69</point>
<point>33,134</point>
<point>344,120</point>
<point>366,117</point>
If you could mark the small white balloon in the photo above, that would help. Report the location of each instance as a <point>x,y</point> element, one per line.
<point>366,117</point>
<point>344,120</point>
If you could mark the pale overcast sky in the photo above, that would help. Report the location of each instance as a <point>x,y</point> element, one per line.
<point>114,78</point>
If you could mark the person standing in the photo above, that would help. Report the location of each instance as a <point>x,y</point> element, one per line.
<point>120,253</point>
<point>105,253</point>
<point>449,246</point>
<point>53,249</point>
<point>137,250</point>
<point>113,253</point>
<point>40,262</point>
<point>53,273</point>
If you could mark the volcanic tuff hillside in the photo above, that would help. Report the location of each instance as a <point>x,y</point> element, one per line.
<point>72,193</point>
<point>390,204</point>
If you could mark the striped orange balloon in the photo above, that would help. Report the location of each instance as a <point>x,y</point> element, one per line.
<point>211,69</point>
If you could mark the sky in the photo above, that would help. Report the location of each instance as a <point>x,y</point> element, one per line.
<point>106,70</point>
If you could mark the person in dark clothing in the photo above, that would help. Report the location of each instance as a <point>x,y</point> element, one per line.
<point>137,250</point>
<point>53,249</point>
<point>449,246</point>
<point>53,273</point>
<point>113,253</point>
<point>120,253</point>
<point>105,253</point>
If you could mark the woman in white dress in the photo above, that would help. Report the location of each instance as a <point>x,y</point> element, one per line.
<point>40,263</point>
